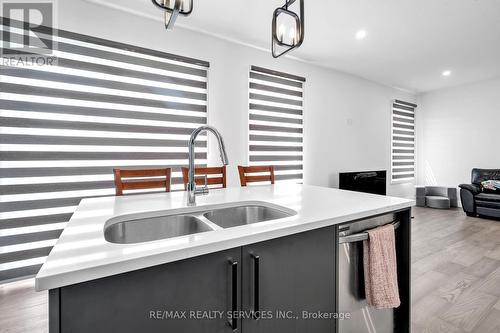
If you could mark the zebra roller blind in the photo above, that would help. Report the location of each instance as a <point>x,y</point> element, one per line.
<point>276,122</point>
<point>64,128</point>
<point>403,141</point>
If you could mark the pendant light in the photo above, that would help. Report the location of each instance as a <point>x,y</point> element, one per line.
<point>174,8</point>
<point>287,28</point>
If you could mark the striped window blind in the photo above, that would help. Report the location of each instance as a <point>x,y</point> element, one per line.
<point>276,122</point>
<point>64,128</point>
<point>403,141</point>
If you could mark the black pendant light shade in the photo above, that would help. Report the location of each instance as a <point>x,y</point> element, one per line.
<point>287,28</point>
<point>174,8</point>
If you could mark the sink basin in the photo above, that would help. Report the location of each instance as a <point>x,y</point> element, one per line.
<point>151,226</point>
<point>241,215</point>
<point>154,228</point>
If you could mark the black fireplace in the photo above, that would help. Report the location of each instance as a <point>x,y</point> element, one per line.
<point>365,181</point>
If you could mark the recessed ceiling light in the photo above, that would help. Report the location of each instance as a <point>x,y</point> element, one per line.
<point>446,73</point>
<point>361,34</point>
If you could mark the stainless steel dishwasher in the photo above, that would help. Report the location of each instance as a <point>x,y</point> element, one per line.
<point>352,300</point>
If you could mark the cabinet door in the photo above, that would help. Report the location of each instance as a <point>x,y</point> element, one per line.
<point>284,277</point>
<point>136,301</point>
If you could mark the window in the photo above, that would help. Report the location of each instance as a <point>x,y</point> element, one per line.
<point>276,122</point>
<point>64,128</point>
<point>403,141</point>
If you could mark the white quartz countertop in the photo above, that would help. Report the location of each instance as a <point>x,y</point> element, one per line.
<point>82,254</point>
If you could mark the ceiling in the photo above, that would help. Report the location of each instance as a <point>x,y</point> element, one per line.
<point>409,43</point>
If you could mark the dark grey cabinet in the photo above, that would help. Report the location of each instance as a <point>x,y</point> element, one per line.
<point>288,277</point>
<point>140,301</point>
<point>281,279</point>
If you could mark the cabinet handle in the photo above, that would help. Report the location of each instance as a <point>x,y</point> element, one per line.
<point>233,322</point>
<point>256,287</point>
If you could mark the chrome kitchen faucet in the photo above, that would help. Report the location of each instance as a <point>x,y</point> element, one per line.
<point>191,186</point>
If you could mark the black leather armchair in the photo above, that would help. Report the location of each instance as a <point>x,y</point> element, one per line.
<point>474,200</point>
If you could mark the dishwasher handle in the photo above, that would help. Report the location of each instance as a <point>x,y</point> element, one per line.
<point>361,236</point>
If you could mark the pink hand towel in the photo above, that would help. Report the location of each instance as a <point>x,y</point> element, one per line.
<point>380,268</point>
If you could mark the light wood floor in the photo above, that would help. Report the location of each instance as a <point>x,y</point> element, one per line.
<point>456,279</point>
<point>23,310</point>
<point>456,272</point>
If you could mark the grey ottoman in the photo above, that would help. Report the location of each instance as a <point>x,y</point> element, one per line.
<point>437,202</point>
<point>437,197</point>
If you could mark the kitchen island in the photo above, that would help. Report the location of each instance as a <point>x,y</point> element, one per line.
<point>278,275</point>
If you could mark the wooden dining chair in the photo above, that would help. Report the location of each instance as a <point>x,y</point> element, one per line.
<point>145,179</point>
<point>245,174</point>
<point>219,180</point>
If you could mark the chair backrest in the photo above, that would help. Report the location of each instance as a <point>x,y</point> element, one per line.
<point>146,179</point>
<point>436,191</point>
<point>220,179</point>
<point>246,177</point>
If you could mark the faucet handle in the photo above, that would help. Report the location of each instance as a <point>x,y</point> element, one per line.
<point>204,189</point>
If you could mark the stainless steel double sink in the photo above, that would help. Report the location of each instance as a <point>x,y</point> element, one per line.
<point>152,226</point>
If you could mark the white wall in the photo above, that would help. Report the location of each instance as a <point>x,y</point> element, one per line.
<point>458,131</point>
<point>347,119</point>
